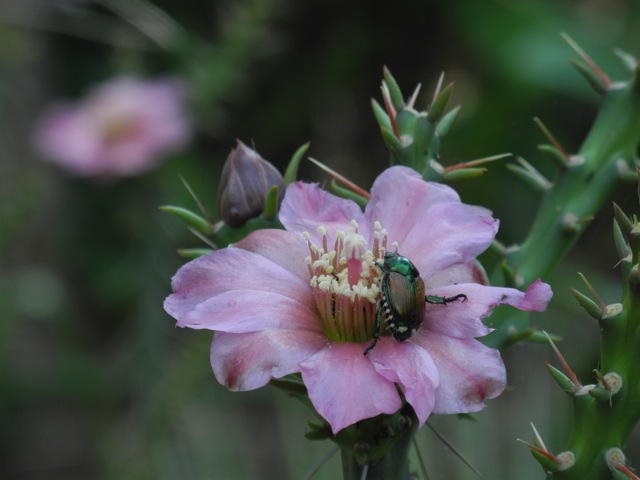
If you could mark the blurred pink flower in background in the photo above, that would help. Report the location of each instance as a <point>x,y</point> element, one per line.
<point>122,127</point>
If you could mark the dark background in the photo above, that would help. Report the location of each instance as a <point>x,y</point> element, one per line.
<point>95,380</point>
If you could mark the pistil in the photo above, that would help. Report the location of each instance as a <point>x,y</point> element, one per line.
<point>345,281</point>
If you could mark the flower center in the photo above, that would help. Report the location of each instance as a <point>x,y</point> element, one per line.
<point>345,282</point>
<point>119,128</point>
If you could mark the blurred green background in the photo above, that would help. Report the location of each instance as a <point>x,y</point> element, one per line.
<point>95,380</point>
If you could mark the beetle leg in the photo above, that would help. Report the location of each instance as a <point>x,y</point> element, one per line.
<point>433,299</point>
<point>376,331</point>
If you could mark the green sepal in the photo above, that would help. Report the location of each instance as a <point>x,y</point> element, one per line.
<point>517,336</point>
<point>439,105</point>
<point>530,175</point>
<point>192,253</point>
<point>422,134</point>
<point>634,283</point>
<point>227,235</point>
<point>600,394</point>
<point>394,90</point>
<point>464,174</point>
<point>270,211</point>
<point>548,464</point>
<point>470,417</point>
<point>622,247</point>
<point>634,245</point>
<point>591,307</point>
<point>627,60</point>
<point>561,379</point>
<point>592,78</point>
<point>537,336</point>
<point>497,249</point>
<point>618,475</point>
<point>626,225</point>
<point>514,336</point>
<point>558,158</point>
<point>318,432</point>
<point>291,173</point>
<point>372,438</point>
<point>380,115</point>
<point>447,121</point>
<point>192,219</point>
<point>508,274</point>
<point>626,174</point>
<point>393,144</point>
<point>342,192</point>
<point>432,171</point>
<point>291,386</point>
<point>635,84</point>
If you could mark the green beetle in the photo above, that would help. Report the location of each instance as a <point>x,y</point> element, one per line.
<point>401,294</point>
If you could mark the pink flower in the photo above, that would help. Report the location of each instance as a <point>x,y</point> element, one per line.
<point>122,127</point>
<point>304,300</point>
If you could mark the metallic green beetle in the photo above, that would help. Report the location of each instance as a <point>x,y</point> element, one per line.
<point>401,294</point>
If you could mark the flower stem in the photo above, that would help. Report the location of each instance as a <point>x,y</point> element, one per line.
<point>393,464</point>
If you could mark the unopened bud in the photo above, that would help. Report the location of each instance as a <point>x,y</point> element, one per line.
<point>245,182</point>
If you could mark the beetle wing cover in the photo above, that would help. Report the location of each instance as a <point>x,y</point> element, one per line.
<point>405,296</point>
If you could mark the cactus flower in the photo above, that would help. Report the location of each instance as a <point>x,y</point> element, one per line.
<point>304,301</point>
<point>122,127</point>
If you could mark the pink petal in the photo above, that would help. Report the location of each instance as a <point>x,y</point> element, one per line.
<point>447,234</point>
<point>463,319</point>
<point>306,206</point>
<point>344,386</point>
<point>247,361</point>
<point>470,272</point>
<point>66,136</point>
<point>536,298</point>
<point>399,198</point>
<point>410,366</point>
<point>283,248</point>
<point>469,371</point>
<point>227,270</point>
<point>242,311</point>
<point>147,116</point>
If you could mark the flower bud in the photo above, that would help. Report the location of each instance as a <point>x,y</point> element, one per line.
<point>244,184</point>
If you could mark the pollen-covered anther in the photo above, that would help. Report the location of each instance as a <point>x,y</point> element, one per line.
<point>379,239</point>
<point>345,280</point>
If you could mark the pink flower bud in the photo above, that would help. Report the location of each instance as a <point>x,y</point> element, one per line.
<point>245,181</point>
